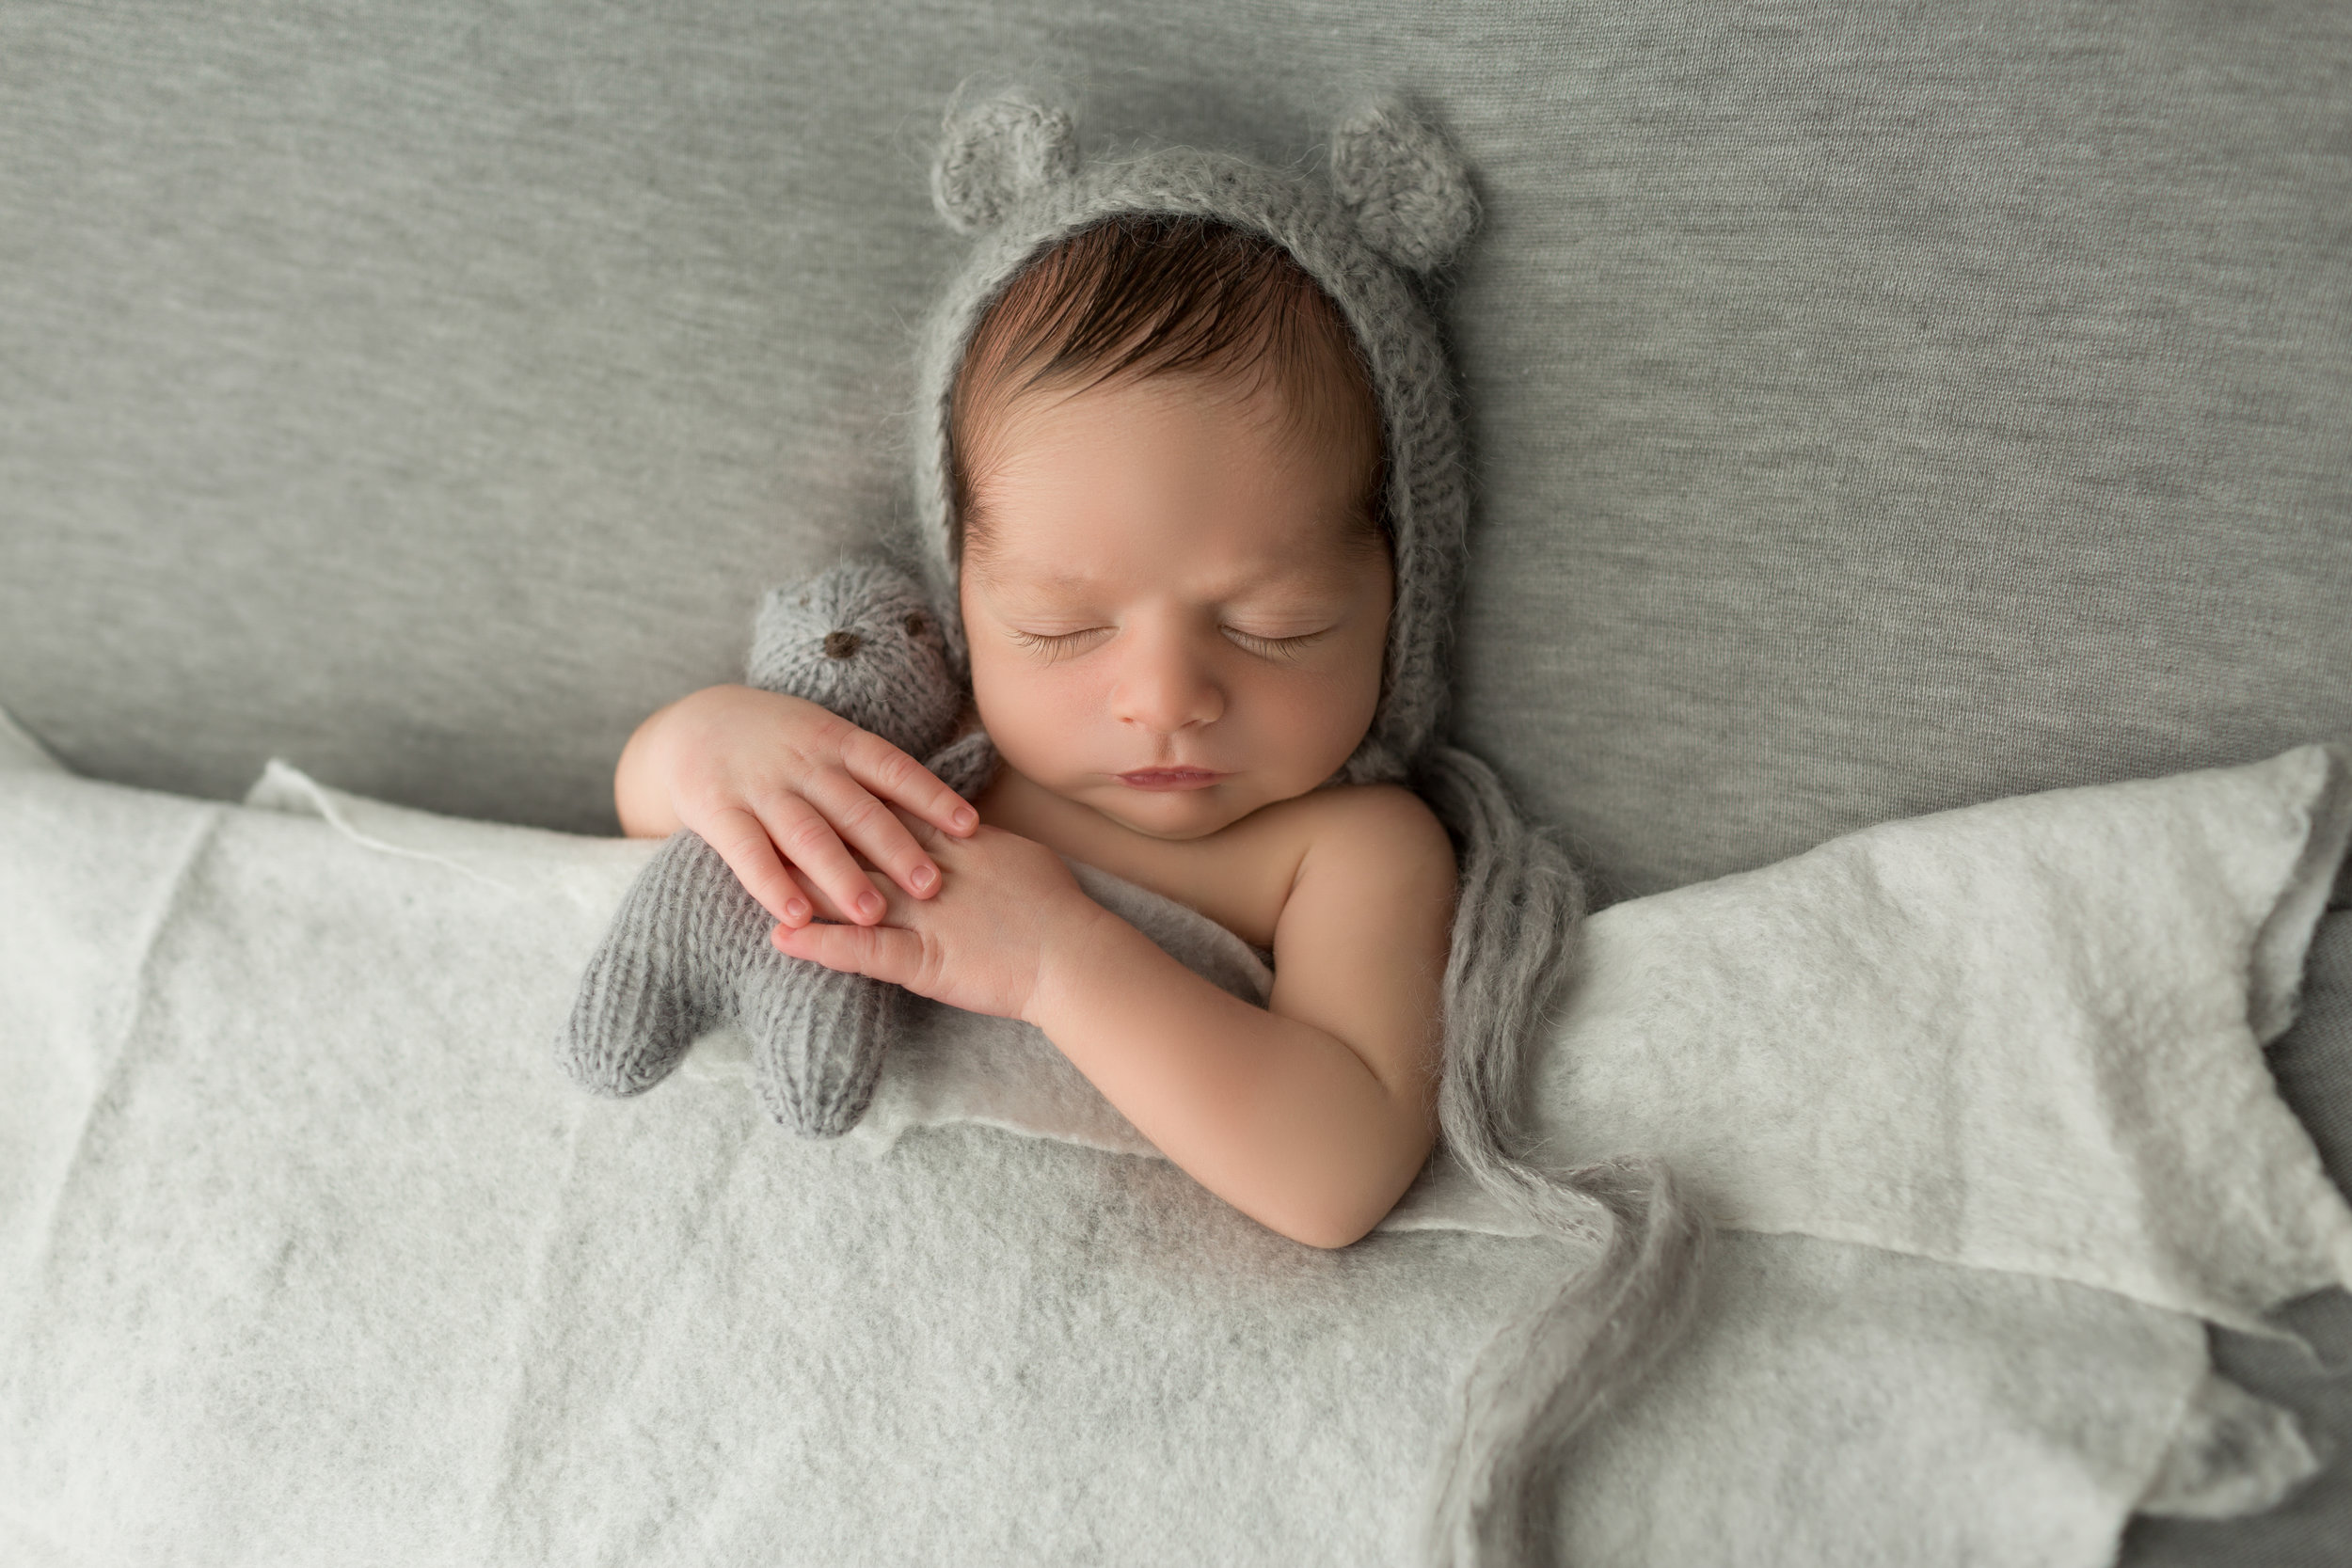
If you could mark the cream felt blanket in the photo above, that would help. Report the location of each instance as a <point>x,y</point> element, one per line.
<point>306,1253</point>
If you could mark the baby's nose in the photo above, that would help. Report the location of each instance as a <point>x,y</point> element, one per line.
<point>1166,689</point>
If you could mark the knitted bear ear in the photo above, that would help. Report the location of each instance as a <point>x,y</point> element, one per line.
<point>1408,190</point>
<point>995,153</point>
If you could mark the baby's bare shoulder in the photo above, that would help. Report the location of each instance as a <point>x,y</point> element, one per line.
<point>1366,842</point>
<point>1385,817</point>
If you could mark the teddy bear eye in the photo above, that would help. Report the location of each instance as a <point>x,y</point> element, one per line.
<point>918,623</point>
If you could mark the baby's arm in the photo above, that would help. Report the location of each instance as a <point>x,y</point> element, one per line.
<point>1312,1115</point>
<point>766,780</point>
<point>1315,1113</point>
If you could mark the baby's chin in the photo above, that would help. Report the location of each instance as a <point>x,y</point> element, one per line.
<point>1172,815</point>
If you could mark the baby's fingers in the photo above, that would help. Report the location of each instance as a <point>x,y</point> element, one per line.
<point>897,777</point>
<point>886,953</point>
<point>742,841</point>
<point>810,843</point>
<point>876,831</point>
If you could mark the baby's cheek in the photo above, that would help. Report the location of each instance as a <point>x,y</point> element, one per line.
<point>1329,720</point>
<point>1033,718</point>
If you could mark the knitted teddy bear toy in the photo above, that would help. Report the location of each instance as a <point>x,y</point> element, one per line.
<point>688,948</point>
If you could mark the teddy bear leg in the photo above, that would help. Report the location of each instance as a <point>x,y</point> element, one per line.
<point>660,977</point>
<point>818,1039</point>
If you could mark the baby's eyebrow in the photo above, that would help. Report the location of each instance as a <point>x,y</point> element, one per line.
<point>1039,577</point>
<point>1036,593</point>
<point>1288,581</point>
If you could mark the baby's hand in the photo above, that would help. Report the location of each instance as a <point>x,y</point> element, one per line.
<point>1012,915</point>
<point>777,785</point>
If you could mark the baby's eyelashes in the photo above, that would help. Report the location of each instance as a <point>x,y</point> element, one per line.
<point>1060,644</point>
<point>1055,644</point>
<point>1277,647</point>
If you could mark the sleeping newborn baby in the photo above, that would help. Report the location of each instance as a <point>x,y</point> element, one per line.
<point>1165,475</point>
<point>1191,511</point>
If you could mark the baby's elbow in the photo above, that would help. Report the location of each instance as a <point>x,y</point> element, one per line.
<point>1324,1237</point>
<point>1326,1221</point>
<point>1349,1193</point>
<point>1332,1238</point>
<point>1340,1224</point>
<point>1347,1213</point>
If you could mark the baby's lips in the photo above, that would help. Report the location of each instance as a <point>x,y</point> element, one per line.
<point>1170,778</point>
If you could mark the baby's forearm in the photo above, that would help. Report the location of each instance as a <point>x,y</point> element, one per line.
<point>1280,1119</point>
<point>641,796</point>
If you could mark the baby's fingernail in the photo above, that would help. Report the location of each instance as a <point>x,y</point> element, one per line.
<point>966,816</point>
<point>795,912</point>
<point>921,877</point>
<point>869,905</point>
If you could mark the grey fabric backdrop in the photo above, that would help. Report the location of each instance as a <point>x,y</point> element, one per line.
<point>1877,408</point>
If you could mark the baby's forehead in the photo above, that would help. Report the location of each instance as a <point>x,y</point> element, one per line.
<point>1310,570</point>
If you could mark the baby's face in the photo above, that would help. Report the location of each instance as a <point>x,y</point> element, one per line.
<point>1172,619</point>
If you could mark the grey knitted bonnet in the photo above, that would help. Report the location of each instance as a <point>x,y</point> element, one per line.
<point>1397,202</point>
<point>1398,199</point>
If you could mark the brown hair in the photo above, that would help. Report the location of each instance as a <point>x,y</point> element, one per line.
<point>1149,296</point>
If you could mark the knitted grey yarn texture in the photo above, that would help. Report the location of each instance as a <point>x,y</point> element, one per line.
<point>1398,200</point>
<point>688,948</point>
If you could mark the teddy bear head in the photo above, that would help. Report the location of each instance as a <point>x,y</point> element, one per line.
<point>863,640</point>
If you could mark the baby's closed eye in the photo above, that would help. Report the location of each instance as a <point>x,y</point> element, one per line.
<point>1277,646</point>
<point>1271,643</point>
<point>1055,644</point>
